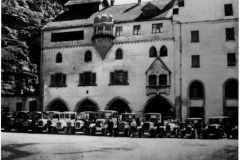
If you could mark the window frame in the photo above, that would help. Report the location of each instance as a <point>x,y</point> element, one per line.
<point>136,29</point>
<point>163,51</point>
<point>231,59</point>
<point>82,79</point>
<point>196,91</point>
<point>58,58</point>
<point>195,61</point>
<point>119,31</point>
<point>88,56</point>
<point>228,10</point>
<point>157,28</point>
<point>119,54</point>
<point>115,81</point>
<point>67,36</point>
<point>195,36</point>
<point>152,52</point>
<point>58,83</point>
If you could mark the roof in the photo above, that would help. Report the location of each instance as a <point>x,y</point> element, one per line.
<point>73,2</point>
<point>219,117</point>
<point>121,13</point>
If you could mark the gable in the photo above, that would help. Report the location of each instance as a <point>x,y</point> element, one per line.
<point>158,67</point>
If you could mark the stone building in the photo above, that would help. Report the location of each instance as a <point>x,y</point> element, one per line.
<point>178,58</point>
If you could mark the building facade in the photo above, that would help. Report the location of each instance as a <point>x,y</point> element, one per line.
<point>167,56</point>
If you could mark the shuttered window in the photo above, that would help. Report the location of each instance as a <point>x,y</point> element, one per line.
<point>119,78</point>
<point>58,80</point>
<point>87,79</point>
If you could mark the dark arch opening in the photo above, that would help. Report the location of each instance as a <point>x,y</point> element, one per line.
<point>119,54</point>
<point>159,105</point>
<point>196,90</point>
<point>88,56</point>
<point>59,58</point>
<point>153,52</point>
<point>231,89</point>
<point>58,106</point>
<point>163,51</point>
<point>120,106</point>
<point>87,105</point>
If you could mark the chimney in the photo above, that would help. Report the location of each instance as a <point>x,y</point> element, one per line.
<point>112,2</point>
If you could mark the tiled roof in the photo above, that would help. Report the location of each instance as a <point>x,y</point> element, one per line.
<point>73,2</point>
<point>121,13</point>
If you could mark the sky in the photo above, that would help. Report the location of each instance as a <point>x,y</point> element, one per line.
<point>128,1</point>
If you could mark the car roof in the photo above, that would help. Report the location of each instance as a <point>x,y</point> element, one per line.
<point>107,111</point>
<point>88,112</point>
<point>193,118</point>
<point>219,117</point>
<point>152,113</point>
<point>129,114</point>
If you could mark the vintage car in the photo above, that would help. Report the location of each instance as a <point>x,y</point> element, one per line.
<point>102,121</point>
<point>54,117</point>
<point>168,129</point>
<point>150,125</point>
<point>84,119</point>
<point>192,128</point>
<point>9,121</point>
<point>217,127</point>
<point>31,121</point>
<point>20,116</point>
<point>48,118</point>
<point>124,124</point>
<point>66,123</point>
<point>234,132</point>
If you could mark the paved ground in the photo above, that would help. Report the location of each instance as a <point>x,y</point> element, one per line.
<point>27,146</point>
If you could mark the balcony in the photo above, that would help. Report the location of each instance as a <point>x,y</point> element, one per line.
<point>162,89</point>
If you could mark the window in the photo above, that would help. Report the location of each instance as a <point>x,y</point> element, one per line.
<point>153,52</point>
<point>157,28</point>
<point>19,106</point>
<point>118,31</point>
<point>152,80</point>
<point>119,54</point>
<point>231,89</point>
<point>67,36</point>
<point>136,30</point>
<point>230,34</point>
<point>196,90</point>
<point>59,58</point>
<point>100,29</point>
<point>195,61</point>
<point>163,79</point>
<point>181,3</point>
<point>196,112</point>
<point>175,10</point>
<point>108,30</point>
<point>88,57</point>
<point>58,80</point>
<point>228,9</point>
<point>163,51</point>
<point>119,78</point>
<point>87,79</point>
<point>194,36</point>
<point>231,59</point>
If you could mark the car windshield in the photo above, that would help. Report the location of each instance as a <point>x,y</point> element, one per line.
<point>218,120</point>
<point>45,115</point>
<point>151,118</point>
<point>128,118</point>
<point>72,116</point>
<point>104,115</point>
<point>55,115</point>
<point>67,116</point>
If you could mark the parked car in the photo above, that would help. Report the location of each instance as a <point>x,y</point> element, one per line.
<point>102,123</point>
<point>192,128</point>
<point>169,128</point>
<point>150,125</point>
<point>84,119</point>
<point>31,121</point>
<point>234,132</point>
<point>20,116</point>
<point>124,124</point>
<point>9,121</point>
<point>44,123</point>
<point>66,123</point>
<point>217,127</point>
<point>54,117</point>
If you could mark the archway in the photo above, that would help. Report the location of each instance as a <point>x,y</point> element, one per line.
<point>86,105</point>
<point>161,105</point>
<point>57,105</point>
<point>120,105</point>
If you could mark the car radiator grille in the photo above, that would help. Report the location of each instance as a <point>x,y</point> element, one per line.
<point>59,124</point>
<point>189,129</point>
<point>98,123</point>
<point>40,123</point>
<point>146,126</point>
<point>211,129</point>
<point>78,125</point>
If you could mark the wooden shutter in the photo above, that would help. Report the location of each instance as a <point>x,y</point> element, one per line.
<point>81,79</point>
<point>111,77</point>
<point>64,77</point>
<point>52,80</point>
<point>93,78</point>
<point>125,77</point>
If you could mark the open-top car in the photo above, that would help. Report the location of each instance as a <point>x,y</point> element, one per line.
<point>102,122</point>
<point>124,124</point>
<point>84,119</point>
<point>217,127</point>
<point>192,128</point>
<point>9,121</point>
<point>31,121</point>
<point>20,116</point>
<point>150,125</point>
<point>66,122</point>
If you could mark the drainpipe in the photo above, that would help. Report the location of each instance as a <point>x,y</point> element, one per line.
<point>41,84</point>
